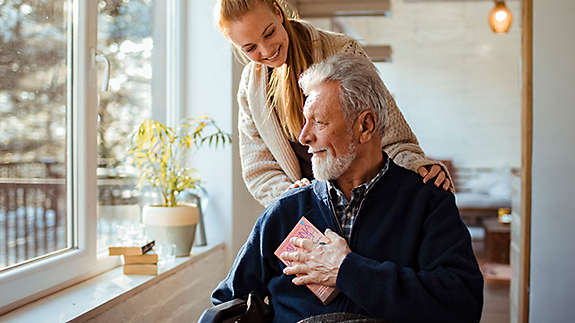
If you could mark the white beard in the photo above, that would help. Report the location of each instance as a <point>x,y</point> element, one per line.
<point>331,168</point>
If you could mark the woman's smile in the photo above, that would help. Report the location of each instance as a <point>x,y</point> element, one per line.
<point>276,54</point>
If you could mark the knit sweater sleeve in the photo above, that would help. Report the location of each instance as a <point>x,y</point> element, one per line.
<point>445,285</point>
<point>398,141</point>
<point>264,177</point>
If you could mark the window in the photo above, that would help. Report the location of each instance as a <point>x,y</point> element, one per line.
<point>64,137</point>
<point>142,48</point>
<point>33,117</point>
<point>46,94</point>
<point>126,43</point>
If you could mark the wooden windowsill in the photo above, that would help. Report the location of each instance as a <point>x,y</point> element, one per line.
<point>96,295</point>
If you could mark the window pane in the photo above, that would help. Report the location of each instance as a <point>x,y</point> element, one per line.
<point>125,38</point>
<point>33,129</point>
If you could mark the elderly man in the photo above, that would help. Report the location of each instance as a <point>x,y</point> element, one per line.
<point>397,249</point>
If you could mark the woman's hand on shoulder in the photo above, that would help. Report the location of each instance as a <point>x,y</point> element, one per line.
<point>440,176</point>
<point>299,183</point>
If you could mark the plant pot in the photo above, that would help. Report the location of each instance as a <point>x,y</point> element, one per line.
<point>171,225</point>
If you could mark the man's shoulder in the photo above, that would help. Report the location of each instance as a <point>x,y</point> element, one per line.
<point>404,190</point>
<point>409,182</point>
<point>404,177</point>
<point>295,196</point>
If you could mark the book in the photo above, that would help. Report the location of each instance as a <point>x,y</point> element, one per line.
<point>131,250</point>
<point>147,258</point>
<point>304,229</point>
<point>141,269</point>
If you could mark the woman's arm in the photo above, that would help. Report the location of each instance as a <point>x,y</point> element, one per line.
<point>264,177</point>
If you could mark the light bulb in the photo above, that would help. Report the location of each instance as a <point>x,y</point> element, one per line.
<point>500,18</point>
<point>500,15</point>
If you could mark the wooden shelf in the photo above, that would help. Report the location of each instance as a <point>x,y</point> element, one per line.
<point>339,8</point>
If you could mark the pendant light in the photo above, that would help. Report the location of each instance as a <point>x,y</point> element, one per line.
<point>500,18</point>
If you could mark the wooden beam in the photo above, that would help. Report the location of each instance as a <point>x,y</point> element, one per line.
<point>526,159</point>
<point>378,53</point>
<point>340,8</point>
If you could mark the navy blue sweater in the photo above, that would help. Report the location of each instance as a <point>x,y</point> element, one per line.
<point>411,258</point>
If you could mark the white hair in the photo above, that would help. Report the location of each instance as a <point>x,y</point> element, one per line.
<point>361,88</point>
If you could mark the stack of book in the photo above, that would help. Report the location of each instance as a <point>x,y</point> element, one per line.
<point>139,259</point>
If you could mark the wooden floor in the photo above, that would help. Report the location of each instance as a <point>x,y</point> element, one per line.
<point>495,295</point>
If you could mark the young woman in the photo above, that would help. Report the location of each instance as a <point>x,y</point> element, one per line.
<point>270,101</point>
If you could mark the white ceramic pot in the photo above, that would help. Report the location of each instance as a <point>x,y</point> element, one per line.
<point>171,225</point>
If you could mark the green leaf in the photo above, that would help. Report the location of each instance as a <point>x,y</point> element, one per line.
<point>158,151</point>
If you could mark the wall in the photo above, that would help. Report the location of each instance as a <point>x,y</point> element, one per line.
<point>456,82</point>
<point>553,211</point>
<point>213,75</point>
<point>246,208</point>
<point>208,92</point>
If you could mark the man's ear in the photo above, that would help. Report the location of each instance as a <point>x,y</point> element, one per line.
<point>367,123</point>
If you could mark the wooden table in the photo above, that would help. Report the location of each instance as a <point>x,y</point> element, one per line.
<point>474,216</point>
<point>497,240</point>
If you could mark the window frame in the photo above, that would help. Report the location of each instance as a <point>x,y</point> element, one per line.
<point>169,61</point>
<point>82,260</point>
<point>47,274</point>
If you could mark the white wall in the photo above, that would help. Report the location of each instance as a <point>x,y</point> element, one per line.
<point>208,92</point>
<point>212,86</point>
<point>553,211</point>
<point>456,82</point>
<point>246,208</point>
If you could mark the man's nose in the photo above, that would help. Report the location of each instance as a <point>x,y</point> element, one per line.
<point>304,135</point>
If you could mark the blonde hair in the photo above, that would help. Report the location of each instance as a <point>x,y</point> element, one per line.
<point>283,92</point>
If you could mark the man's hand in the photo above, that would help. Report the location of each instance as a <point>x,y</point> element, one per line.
<point>299,183</point>
<point>319,263</point>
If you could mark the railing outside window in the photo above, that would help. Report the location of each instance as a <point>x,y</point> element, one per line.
<point>32,219</point>
<point>33,210</point>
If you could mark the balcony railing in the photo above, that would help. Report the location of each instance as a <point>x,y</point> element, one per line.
<point>32,218</point>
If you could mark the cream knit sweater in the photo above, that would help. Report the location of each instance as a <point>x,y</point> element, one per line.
<point>269,165</point>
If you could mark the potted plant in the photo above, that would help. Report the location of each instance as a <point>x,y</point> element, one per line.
<point>160,154</point>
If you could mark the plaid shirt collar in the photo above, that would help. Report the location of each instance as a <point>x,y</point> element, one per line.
<point>346,212</point>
